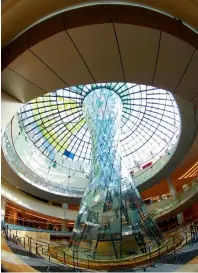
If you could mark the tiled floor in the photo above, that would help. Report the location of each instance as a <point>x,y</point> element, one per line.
<point>16,258</point>
<point>192,266</point>
<point>175,262</point>
<point>10,262</point>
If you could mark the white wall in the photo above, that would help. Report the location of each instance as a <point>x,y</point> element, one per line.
<point>26,201</point>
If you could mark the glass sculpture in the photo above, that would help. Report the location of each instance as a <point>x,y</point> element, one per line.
<point>150,124</point>
<point>113,222</point>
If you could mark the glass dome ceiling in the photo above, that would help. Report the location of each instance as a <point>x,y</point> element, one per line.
<point>150,123</point>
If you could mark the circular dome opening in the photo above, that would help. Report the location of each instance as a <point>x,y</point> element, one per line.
<point>50,134</point>
<point>150,123</point>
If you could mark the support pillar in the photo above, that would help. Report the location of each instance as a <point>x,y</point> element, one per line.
<point>171,186</point>
<point>64,222</point>
<point>3,210</point>
<point>64,225</point>
<point>15,217</point>
<point>180,216</point>
<point>49,226</point>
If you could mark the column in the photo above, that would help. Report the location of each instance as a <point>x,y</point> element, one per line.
<point>180,216</point>
<point>15,217</point>
<point>111,205</point>
<point>64,225</point>
<point>64,222</point>
<point>3,209</point>
<point>47,225</point>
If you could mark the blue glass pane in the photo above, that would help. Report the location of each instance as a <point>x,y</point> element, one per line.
<point>68,154</point>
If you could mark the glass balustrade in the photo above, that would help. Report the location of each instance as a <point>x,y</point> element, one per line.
<point>22,158</point>
<point>144,175</point>
<point>169,204</point>
<point>24,172</point>
<point>31,177</point>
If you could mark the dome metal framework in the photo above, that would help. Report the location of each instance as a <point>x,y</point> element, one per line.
<point>150,123</point>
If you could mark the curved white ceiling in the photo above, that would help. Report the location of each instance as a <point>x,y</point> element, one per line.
<point>104,53</point>
<point>17,15</point>
<point>57,127</point>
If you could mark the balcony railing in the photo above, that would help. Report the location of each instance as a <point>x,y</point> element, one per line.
<point>172,202</point>
<point>48,178</point>
<point>77,259</point>
<point>28,175</point>
<point>156,209</point>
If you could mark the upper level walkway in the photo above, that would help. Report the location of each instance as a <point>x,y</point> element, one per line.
<point>175,204</point>
<point>160,211</point>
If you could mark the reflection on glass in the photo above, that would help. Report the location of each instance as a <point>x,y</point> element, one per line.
<point>113,221</point>
<point>52,144</point>
<point>150,124</point>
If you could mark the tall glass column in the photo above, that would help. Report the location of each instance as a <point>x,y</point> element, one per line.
<point>113,221</point>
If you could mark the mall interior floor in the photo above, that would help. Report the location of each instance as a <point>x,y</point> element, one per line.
<point>186,258</point>
<point>173,262</point>
<point>35,261</point>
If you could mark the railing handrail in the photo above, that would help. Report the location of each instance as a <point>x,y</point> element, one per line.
<point>64,190</point>
<point>69,191</point>
<point>58,223</point>
<point>189,183</point>
<point>182,190</point>
<point>29,220</point>
<point>53,232</point>
<point>171,246</point>
<point>39,175</point>
<point>185,224</point>
<point>177,196</point>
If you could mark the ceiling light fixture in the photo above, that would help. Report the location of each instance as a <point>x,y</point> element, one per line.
<point>187,173</point>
